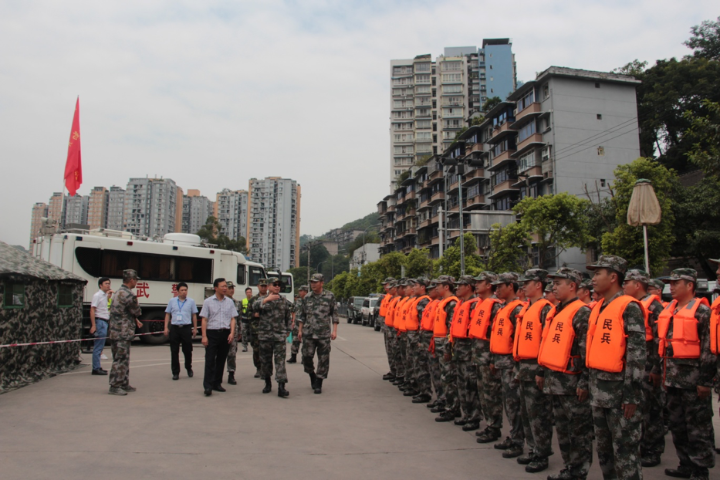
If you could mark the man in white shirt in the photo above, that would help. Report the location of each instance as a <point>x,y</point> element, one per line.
<point>99,315</point>
<point>218,316</point>
<point>180,316</point>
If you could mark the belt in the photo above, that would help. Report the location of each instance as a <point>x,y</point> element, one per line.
<point>218,329</point>
<point>103,319</point>
<point>183,325</point>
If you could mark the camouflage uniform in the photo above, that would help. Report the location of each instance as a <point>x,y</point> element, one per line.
<point>386,330</point>
<point>448,368</point>
<point>273,329</point>
<point>573,418</point>
<point>317,314</point>
<point>416,361</point>
<point>232,352</point>
<point>428,362</point>
<point>253,323</point>
<point>467,382</point>
<point>124,310</point>
<point>690,416</point>
<point>295,348</point>
<point>618,439</point>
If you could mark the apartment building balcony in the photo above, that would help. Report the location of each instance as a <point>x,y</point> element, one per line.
<point>410,195</point>
<point>424,202</point>
<point>502,131</point>
<point>474,202</point>
<point>531,111</point>
<point>534,140</point>
<point>473,175</point>
<point>424,223</point>
<point>547,171</point>
<point>473,147</point>
<point>502,159</point>
<point>434,172</point>
<point>504,188</point>
<point>437,197</point>
<point>435,241</point>
<point>531,175</point>
<point>452,188</point>
<point>390,208</point>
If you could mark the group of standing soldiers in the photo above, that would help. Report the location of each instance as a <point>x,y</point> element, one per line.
<point>602,359</point>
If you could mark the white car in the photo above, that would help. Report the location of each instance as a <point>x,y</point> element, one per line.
<point>369,311</point>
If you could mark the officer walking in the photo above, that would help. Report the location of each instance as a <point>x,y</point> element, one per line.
<point>317,313</point>
<point>219,317</point>
<point>295,348</point>
<point>181,327</point>
<point>124,313</point>
<point>273,328</point>
<point>254,319</point>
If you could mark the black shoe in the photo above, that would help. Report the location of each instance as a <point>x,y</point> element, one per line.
<point>460,421</point>
<point>190,372</point>
<point>219,388</point>
<point>432,404</point>
<point>512,452</point>
<point>318,386</point>
<point>422,398</point>
<point>282,393</point>
<point>445,416</point>
<point>471,426</point>
<point>682,471</point>
<point>525,459</point>
<point>231,378</point>
<point>293,359</point>
<point>537,465</point>
<point>398,381</point>
<point>563,474</point>
<point>176,376</point>
<point>504,445</point>
<point>208,392</point>
<point>410,393</point>
<point>439,408</point>
<point>648,462</point>
<point>268,385</point>
<point>313,379</point>
<point>244,349</point>
<point>389,376</point>
<point>488,435</point>
<point>257,373</point>
<point>99,371</point>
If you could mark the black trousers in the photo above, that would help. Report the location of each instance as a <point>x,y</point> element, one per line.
<point>216,353</point>
<point>180,335</point>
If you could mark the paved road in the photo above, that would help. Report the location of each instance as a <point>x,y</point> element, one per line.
<point>359,428</point>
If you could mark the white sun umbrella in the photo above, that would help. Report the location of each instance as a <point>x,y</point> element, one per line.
<point>644,209</point>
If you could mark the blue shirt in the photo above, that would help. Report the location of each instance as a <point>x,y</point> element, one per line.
<point>182,311</point>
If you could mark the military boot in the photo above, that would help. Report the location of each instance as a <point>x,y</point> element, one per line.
<point>538,464</point>
<point>488,435</point>
<point>563,474</point>
<point>512,452</point>
<point>117,391</point>
<point>268,385</point>
<point>471,426</point>
<point>682,471</point>
<point>446,416</point>
<point>282,393</point>
<point>504,445</point>
<point>293,358</point>
<point>231,378</point>
<point>257,373</point>
<point>398,381</point>
<point>313,379</point>
<point>318,386</point>
<point>422,398</point>
<point>438,408</point>
<point>526,459</point>
<point>389,376</point>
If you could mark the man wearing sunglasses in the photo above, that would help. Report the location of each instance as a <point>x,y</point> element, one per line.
<point>273,328</point>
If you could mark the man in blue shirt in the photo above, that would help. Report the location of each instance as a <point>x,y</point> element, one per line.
<point>180,316</point>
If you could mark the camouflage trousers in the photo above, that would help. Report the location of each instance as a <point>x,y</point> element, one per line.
<point>411,358</point>
<point>120,371</point>
<point>255,344</point>
<point>399,353</point>
<point>467,381</point>
<point>244,334</point>
<point>573,423</point>
<point>691,427</point>
<point>429,368</point>
<point>511,402</point>
<point>295,347</point>
<point>490,392</point>
<point>322,347</point>
<point>536,414</point>
<point>390,337</point>
<point>618,443</point>
<point>273,349</point>
<point>653,433</point>
<point>232,356</point>
<point>448,375</point>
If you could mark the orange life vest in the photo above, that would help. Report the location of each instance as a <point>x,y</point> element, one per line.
<point>715,327</point>
<point>686,341</point>
<point>428,318</point>
<point>389,318</point>
<point>461,319</point>
<point>606,342</point>
<point>481,318</point>
<point>383,305</point>
<point>400,313</point>
<point>501,339</point>
<point>529,330</point>
<point>440,329</point>
<point>592,304</point>
<point>646,307</point>
<point>557,339</point>
<point>412,322</point>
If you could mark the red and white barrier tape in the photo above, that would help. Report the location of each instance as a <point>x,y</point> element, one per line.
<point>67,341</point>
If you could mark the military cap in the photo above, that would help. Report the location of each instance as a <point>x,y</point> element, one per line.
<point>392,284</point>
<point>657,283</point>
<point>388,280</point>
<point>613,262</point>
<point>445,280</point>
<point>271,280</point>
<point>689,274</point>
<point>549,288</point>
<point>465,280</point>
<point>535,274</point>
<point>316,277</point>
<point>638,275</point>
<point>586,284</point>
<point>303,287</point>
<point>487,275</point>
<point>263,282</point>
<point>568,273</point>
<point>714,260</point>
<point>412,281</point>
<point>432,284</point>
<point>422,281</point>
<point>507,277</point>
<point>230,284</point>
<point>130,274</point>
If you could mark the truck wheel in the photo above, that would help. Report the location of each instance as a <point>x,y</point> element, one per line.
<point>153,326</point>
<point>349,319</point>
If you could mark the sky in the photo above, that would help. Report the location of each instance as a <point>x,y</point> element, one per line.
<point>214,93</point>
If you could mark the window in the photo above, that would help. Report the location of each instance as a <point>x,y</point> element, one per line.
<point>599,116</point>
<point>423,89</point>
<point>452,89</point>
<point>546,92</point>
<point>451,66</point>
<point>422,78</point>
<point>287,284</point>
<point>601,151</point>
<point>524,102</point>
<point>241,278</point>
<point>13,295</point>
<point>526,131</point>
<point>451,77</point>
<point>66,296</point>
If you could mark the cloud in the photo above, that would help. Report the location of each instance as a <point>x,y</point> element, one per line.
<point>214,93</point>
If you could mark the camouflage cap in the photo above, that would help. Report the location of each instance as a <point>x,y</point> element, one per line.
<point>388,280</point>
<point>422,281</point>
<point>657,283</point>
<point>486,276</point>
<point>586,284</point>
<point>465,280</point>
<point>445,280</point>
<point>303,287</point>
<point>316,277</point>
<point>638,275</point>
<point>613,262</point>
<point>507,277</point>
<point>130,274</point>
<point>549,288</point>
<point>263,282</point>
<point>271,280</point>
<point>230,284</point>
<point>689,274</point>
<point>569,274</point>
<point>392,284</point>
<point>535,274</point>
<point>432,284</point>
<point>402,282</point>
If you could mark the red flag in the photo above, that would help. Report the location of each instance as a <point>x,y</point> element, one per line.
<point>73,165</point>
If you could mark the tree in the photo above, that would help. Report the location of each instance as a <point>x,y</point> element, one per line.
<point>390,265</point>
<point>509,247</point>
<point>697,223</point>
<point>704,132</point>
<point>627,241</point>
<point>491,103</point>
<point>211,233</point>
<point>318,253</point>
<point>558,221</point>
<point>338,285</point>
<point>370,237</point>
<point>300,275</point>
<point>418,263</point>
<point>449,263</point>
<point>705,41</point>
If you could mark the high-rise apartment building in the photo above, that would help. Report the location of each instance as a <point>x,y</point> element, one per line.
<point>195,211</point>
<point>97,208</point>
<point>56,208</point>
<point>231,211</point>
<point>115,209</point>
<point>274,222</point>
<point>430,101</point>
<point>39,210</point>
<point>76,210</point>
<point>151,207</point>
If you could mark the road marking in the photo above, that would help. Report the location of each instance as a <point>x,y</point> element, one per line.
<point>341,338</point>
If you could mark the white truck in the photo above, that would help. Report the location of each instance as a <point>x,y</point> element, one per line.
<point>161,265</point>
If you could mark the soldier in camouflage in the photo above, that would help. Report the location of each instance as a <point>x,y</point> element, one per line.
<point>615,396</point>
<point>254,319</point>
<point>688,382</point>
<point>124,313</point>
<point>232,353</point>
<point>467,381</point>
<point>569,391</point>
<point>295,348</point>
<point>656,287</point>
<point>318,326</point>
<point>584,293</point>
<point>549,295</point>
<point>273,328</point>
<point>428,348</point>
<point>417,291</point>
<point>420,349</point>
<point>443,348</point>
<point>652,444</point>
<point>489,383</point>
<point>389,337</point>
<point>398,341</point>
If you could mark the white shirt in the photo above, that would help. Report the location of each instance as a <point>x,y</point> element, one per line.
<point>219,313</point>
<point>100,302</point>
